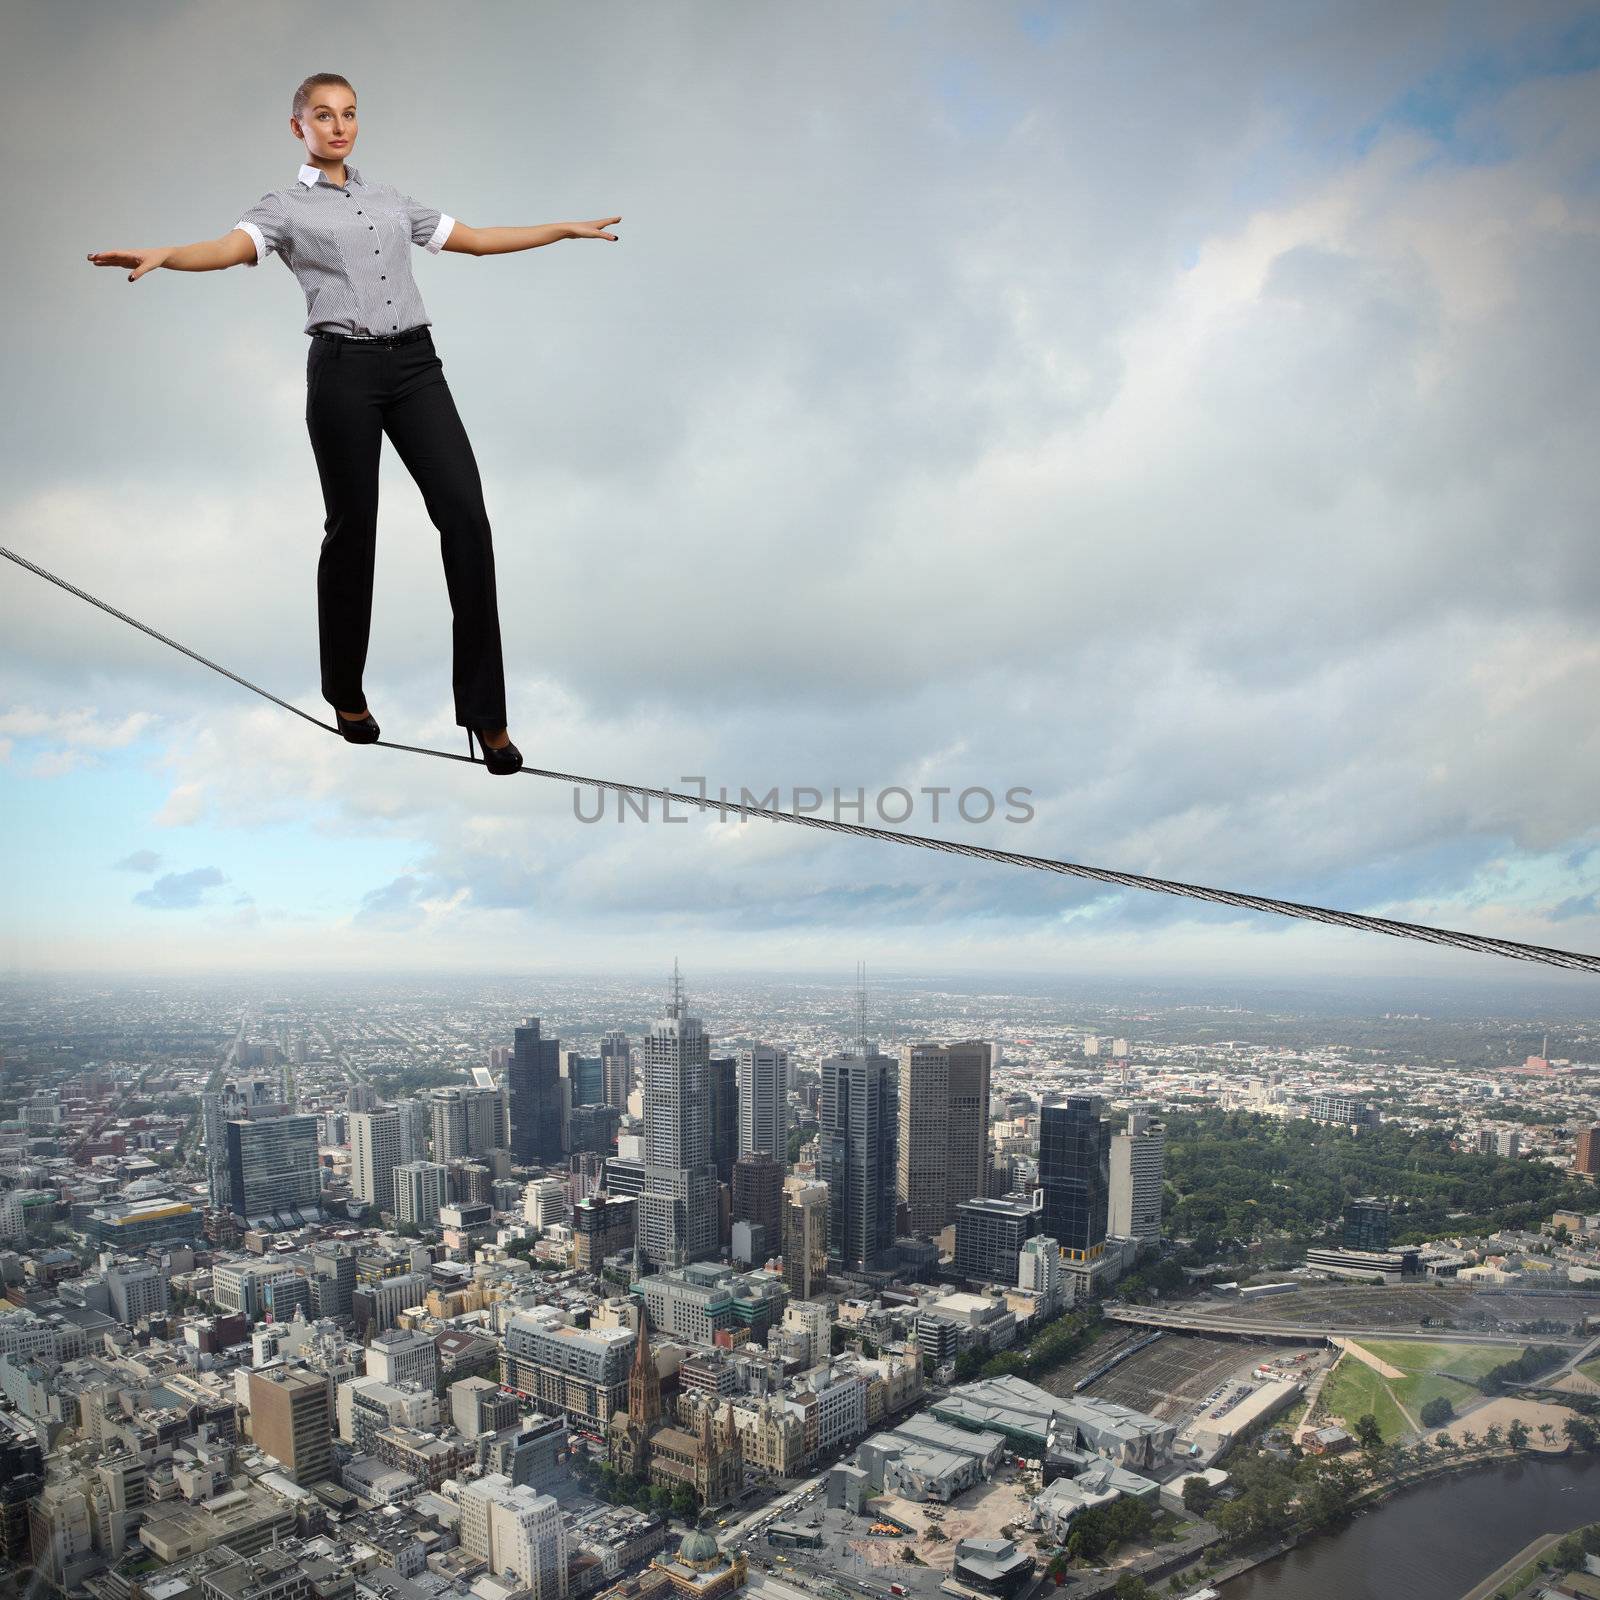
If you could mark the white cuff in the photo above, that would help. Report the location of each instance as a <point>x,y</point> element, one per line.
<point>440,234</point>
<point>260,243</point>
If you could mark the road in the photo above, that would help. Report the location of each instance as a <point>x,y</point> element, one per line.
<point>773,1510</point>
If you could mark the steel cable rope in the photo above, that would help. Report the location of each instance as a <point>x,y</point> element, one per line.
<point>1483,944</point>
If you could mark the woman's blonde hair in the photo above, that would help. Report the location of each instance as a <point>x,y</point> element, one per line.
<point>302,95</point>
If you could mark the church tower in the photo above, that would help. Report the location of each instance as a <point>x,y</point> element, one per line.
<point>631,1430</point>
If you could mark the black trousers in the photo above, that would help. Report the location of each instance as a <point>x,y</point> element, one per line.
<point>356,393</point>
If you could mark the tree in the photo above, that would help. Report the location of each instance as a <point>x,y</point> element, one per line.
<point>1580,1433</point>
<point>1443,1441</point>
<point>1517,1435</point>
<point>1198,1496</point>
<point>1436,1412</point>
<point>1547,1433</point>
<point>1368,1433</point>
<point>1491,1437</point>
<point>1130,1587</point>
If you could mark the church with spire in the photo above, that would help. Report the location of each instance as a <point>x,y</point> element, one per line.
<point>705,1454</point>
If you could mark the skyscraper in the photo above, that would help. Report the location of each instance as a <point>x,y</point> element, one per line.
<point>416,1123</point>
<point>678,1221</point>
<point>467,1120</point>
<point>943,1153</point>
<point>971,1064</point>
<point>588,1079</point>
<point>764,1102</point>
<point>616,1069</point>
<point>859,1114</point>
<point>273,1168</point>
<point>214,1119</point>
<point>923,1148</point>
<point>1138,1156</point>
<point>805,1236</point>
<point>1075,1176</point>
<point>758,1196</point>
<point>534,1078</point>
<point>724,1115</point>
<point>374,1154</point>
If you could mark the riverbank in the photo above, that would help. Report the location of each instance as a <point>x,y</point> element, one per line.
<point>1528,1555</point>
<point>1367,1499</point>
<point>1433,1542</point>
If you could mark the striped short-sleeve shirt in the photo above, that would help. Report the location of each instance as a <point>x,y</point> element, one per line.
<point>349,249</point>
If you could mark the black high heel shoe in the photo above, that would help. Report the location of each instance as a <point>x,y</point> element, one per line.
<point>502,762</point>
<point>363,732</point>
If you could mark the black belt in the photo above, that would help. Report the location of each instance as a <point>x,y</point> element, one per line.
<point>385,340</point>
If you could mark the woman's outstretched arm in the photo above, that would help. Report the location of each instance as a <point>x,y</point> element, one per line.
<point>500,241</point>
<point>233,249</point>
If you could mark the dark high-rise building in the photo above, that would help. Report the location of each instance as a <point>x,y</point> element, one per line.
<point>943,1150</point>
<point>859,1115</point>
<point>21,1478</point>
<point>588,1080</point>
<point>724,1116</point>
<point>1075,1175</point>
<point>1366,1225</point>
<point>273,1168</point>
<point>533,1076</point>
<point>593,1129</point>
<point>990,1235</point>
<point>758,1193</point>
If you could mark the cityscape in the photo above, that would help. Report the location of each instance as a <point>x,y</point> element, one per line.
<point>385,1290</point>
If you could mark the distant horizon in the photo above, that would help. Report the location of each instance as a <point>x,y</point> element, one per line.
<point>1556,994</point>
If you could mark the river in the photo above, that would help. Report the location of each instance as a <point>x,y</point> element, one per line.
<point>1436,1541</point>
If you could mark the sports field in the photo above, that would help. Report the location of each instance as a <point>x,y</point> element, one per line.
<point>1428,1371</point>
<point>1170,1378</point>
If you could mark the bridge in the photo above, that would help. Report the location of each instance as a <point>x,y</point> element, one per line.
<point>1266,1331</point>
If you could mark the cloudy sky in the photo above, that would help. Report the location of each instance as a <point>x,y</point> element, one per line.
<point>1186,414</point>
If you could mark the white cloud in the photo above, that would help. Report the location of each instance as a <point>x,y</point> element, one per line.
<point>895,443</point>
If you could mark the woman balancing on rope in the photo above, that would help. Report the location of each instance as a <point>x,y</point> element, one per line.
<point>371,370</point>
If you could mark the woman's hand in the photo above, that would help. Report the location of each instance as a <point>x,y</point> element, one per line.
<point>593,230</point>
<point>142,261</point>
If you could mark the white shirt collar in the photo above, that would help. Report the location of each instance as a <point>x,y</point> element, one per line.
<point>308,174</point>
